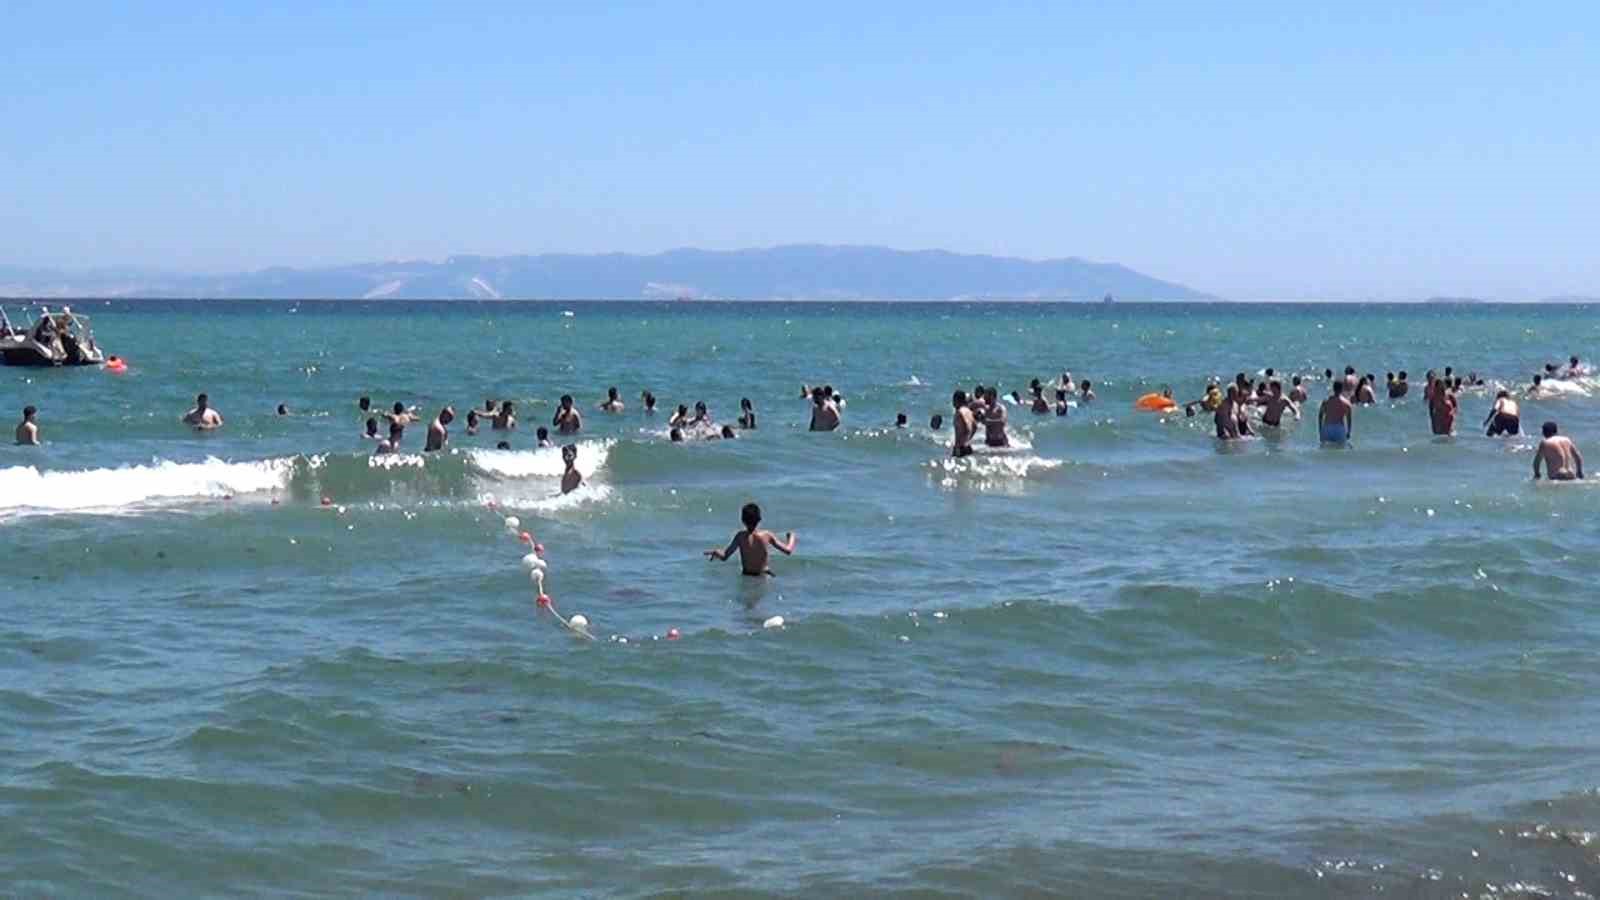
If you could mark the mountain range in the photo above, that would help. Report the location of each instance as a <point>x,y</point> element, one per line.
<point>795,272</point>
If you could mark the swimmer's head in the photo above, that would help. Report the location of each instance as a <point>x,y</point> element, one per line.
<point>372,426</point>
<point>488,405</point>
<point>958,399</point>
<point>472,418</point>
<point>399,408</point>
<point>1548,367</point>
<point>1297,381</point>
<point>1537,380</point>
<point>1016,397</point>
<point>827,390</point>
<point>1550,429</point>
<point>1328,374</point>
<point>1086,384</point>
<point>936,423</point>
<point>566,401</point>
<point>447,415</point>
<point>900,420</point>
<point>1388,376</point>
<point>1338,389</point>
<point>1349,370</point>
<point>727,432</point>
<point>611,393</point>
<point>1402,374</point>
<point>683,410</point>
<point>506,408</point>
<point>569,454</point>
<point>503,445</point>
<point>542,433</point>
<point>201,401</point>
<point>1573,361</point>
<point>29,412</point>
<point>283,410</point>
<point>1269,373</point>
<point>1502,395</point>
<point>676,435</point>
<point>1276,387</point>
<point>750,516</point>
<point>364,404</point>
<point>744,403</point>
<point>700,407</point>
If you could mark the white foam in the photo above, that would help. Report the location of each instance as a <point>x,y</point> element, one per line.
<point>544,462</point>
<point>27,488</point>
<point>996,468</point>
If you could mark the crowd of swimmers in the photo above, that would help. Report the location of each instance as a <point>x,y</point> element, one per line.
<point>1234,410</point>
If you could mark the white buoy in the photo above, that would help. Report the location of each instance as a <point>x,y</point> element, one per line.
<point>774,622</point>
<point>533,563</point>
<point>578,621</point>
<point>513,523</point>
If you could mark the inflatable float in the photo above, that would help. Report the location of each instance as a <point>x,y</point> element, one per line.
<point>1155,403</point>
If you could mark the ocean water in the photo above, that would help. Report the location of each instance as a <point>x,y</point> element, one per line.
<point>1119,661</point>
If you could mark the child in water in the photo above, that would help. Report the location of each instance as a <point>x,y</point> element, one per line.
<point>571,479</point>
<point>752,544</point>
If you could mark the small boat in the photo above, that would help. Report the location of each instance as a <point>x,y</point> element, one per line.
<point>56,339</point>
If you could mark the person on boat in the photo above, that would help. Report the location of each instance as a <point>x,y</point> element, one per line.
<point>612,403</point>
<point>203,417</point>
<point>1558,455</point>
<point>28,428</point>
<point>1504,417</point>
<point>438,430</point>
<point>1336,418</point>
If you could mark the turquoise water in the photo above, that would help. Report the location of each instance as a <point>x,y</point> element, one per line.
<point>1120,661</point>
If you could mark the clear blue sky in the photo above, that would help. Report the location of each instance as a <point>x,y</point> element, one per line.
<point>1257,150</point>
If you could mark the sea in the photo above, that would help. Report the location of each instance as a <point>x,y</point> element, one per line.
<point>1120,659</point>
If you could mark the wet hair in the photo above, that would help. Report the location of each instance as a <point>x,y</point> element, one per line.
<point>283,410</point>
<point>937,422</point>
<point>1537,379</point>
<point>503,445</point>
<point>683,410</point>
<point>472,418</point>
<point>1573,360</point>
<point>1087,384</point>
<point>900,420</point>
<point>611,392</point>
<point>727,432</point>
<point>649,400</point>
<point>676,436</point>
<point>1035,386</point>
<point>744,403</point>
<point>447,415</point>
<point>827,390</point>
<point>542,433</point>
<point>750,516</point>
<point>1402,374</point>
<point>506,407</point>
<point>1550,429</point>
<point>1371,378</point>
<point>1297,381</point>
<point>1448,370</point>
<point>1016,397</point>
<point>28,410</point>
<point>1502,395</point>
<point>1276,386</point>
<point>1388,376</point>
<point>399,407</point>
<point>1338,389</point>
<point>364,404</point>
<point>1327,373</point>
<point>566,399</point>
<point>569,453</point>
<point>1349,370</point>
<point>488,405</point>
<point>1269,373</point>
<point>1458,382</point>
<point>699,406</point>
<point>959,398</point>
<point>372,425</point>
<point>202,400</point>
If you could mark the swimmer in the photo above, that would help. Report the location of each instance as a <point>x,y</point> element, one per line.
<point>391,444</point>
<point>1041,406</point>
<point>702,416</point>
<point>567,419</point>
<point>1537,389</point>
<point>1226,418</point>
<point>506,418</point>
<point>649,403</point>
<point>752,544</point>
<point>503,445</point>
<point>965,426</point>
<point>1336,419</point>
<point>1504,417</point>
<point>364,404</point>
<point>203,417</point>
<point>1298,393</point>
<point>472,422</point>
<point>438,433</point>
<point>681,417</point>
<point>28,428</point>
<point>824,414</point>
<point>612,403</point>
<point>1576,369</point>
<point>728,433</point>
<point>1364,394</point>
<point>1061,402</point>
<point>900,421</point>
<point>747,414</point>
<point>371,434</point>
<point>994,422</point>
<point>1277,404</point>
<point>936,423</point>
<point>675,436</point>
<point>1087,395</point>
<point>283,410</point>
<point>1559,455</point>
<point>400,415</point>
<point>571,479</point>
<point>1442,409</point>
<point>1399,387</point>
<point>542,435</point>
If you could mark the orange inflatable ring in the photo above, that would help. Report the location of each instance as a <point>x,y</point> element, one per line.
<point>1155,403</point>
<point>116,364</point>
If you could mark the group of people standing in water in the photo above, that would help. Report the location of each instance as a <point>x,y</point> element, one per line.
<point>1231,409</point>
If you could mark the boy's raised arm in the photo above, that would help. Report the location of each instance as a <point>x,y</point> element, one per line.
<point>787,546</point>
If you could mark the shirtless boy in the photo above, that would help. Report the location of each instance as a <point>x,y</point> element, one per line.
<point>1336,419</point>
<point>203,417</point>
<point>28,429</point>
<point>1558,454</point>
<point>752,544</point>
<point>965,426</point>
<point>571,479</point>
<point>567,420</point>
<point>1505,417</point>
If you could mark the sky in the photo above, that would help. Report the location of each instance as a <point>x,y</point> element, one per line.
<point>1255,150</point>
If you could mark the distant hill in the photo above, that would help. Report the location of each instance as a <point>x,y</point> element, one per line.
<point>1570,298</point>
<point>797,272</point>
